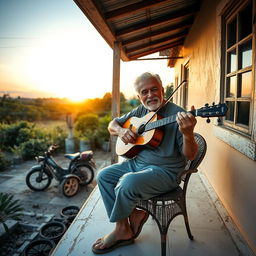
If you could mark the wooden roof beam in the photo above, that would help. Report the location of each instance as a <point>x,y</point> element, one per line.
<point>163,19</point>
<point>94,15</point>
<point>156,49</point>
<point>134,8</point>
<point>159,41</point>
<point>168,29</point>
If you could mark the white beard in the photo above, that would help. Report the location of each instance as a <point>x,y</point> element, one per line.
<point>152,106</point>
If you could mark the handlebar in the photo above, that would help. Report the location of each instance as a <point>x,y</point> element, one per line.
<point>52,148</point>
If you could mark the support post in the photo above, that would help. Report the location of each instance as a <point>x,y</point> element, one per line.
<point>115,95</point>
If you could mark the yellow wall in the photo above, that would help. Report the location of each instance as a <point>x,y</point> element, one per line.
<point>232,174</point>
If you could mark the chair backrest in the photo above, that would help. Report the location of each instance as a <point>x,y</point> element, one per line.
<point>192,165</point>
<point>202,146</point>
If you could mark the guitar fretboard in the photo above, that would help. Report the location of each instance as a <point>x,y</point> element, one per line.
<point>165,121</point>
<point>160,122</point>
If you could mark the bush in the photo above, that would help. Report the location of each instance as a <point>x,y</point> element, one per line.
<point>24,134</point>
<point>103,133</point>
<point>58,136</point>
<point>26,140</point>
<point>86,127</point>
<point>4,163</point>
<point>14,134</point>
<point>32,148</point>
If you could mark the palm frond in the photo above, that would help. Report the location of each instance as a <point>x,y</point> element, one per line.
<point>10,209</point>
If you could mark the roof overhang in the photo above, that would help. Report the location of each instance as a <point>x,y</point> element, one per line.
<point>141,26</point>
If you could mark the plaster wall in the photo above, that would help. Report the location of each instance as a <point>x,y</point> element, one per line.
<point>231,173</point>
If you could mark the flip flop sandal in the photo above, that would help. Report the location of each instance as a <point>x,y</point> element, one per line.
<point>113,246</point>
<point>143,221</point>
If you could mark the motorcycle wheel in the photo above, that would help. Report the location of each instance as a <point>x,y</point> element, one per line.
<point>36,183</point>
<point>70,186</point>
<point>85,173</point>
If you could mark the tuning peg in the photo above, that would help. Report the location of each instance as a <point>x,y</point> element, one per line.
<point>208,120</point>
<point>206,105</point>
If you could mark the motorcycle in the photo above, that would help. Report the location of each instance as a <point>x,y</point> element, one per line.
<point>80,171</point>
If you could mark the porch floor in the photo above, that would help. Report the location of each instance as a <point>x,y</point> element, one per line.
<point>210,234</point>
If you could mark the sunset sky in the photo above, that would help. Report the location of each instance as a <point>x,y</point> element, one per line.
<point>48,48</point>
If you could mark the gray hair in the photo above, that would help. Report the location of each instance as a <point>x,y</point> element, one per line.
<point>147,76</point>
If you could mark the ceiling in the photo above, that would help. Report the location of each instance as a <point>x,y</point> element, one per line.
<point>142,26</point>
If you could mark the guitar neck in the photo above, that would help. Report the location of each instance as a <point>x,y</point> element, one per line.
<point>164,121</point>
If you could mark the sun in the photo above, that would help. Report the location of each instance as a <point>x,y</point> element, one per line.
<point>75,98</point>
<point>64,71</point>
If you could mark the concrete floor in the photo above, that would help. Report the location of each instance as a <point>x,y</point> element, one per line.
<point>211,236</point>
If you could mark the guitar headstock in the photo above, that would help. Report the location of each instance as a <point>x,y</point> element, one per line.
<point>212,111</point>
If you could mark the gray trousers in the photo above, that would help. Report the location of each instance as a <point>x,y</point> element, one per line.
<point>122,185</point>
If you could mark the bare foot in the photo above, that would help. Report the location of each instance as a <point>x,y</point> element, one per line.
<point>135,219</point>
<point>124,233</point>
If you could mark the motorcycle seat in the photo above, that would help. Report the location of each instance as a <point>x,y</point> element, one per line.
<point>86,155</point>
<point>72,156</point>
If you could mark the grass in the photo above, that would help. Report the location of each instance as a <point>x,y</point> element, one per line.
<point>51,124</point>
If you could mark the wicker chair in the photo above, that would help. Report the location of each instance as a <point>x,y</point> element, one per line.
<point>165,207</point>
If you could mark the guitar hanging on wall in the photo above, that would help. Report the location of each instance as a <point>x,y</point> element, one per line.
<point>146,128</point>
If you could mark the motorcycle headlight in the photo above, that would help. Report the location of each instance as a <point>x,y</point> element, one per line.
<point>39,158</point>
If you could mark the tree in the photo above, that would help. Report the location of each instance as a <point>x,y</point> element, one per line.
<point>168,90</point>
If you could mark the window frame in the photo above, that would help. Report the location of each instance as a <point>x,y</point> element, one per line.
<point>184,90</point>
<point>227,18</point>
<point>244,142</point>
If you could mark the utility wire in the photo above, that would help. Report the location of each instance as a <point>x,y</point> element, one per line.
<point>17,37</point>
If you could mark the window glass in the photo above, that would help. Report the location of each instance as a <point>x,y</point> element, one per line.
<point>231,86</point>
<point>232,61</point>
<point>245,55</point>
<point>245,84</point>
<point>245,21</point>
<point>231,33</point>
<point>231,109</point>
<point>243,113</point>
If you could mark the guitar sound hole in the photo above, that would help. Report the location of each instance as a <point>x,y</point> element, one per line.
<point>141,129</point>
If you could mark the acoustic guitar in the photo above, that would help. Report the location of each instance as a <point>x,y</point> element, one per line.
<point>148,134</point>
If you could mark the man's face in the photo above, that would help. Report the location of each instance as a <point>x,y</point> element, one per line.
<point>150,93</point>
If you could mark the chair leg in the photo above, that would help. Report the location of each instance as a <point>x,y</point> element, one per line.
<point>154,209</point>
<point>187,227</point>
<point>163,244</point>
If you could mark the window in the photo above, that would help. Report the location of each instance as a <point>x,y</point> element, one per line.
<point>238,57</point>
<point>238,41</point>
<point>184,88</point>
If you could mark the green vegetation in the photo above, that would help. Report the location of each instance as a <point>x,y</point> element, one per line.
<point>4,163</point>
<point>46,109</point>
<point>9,209</point>
<point>86,127</point>
<point>24,139</point>
<point>103,134</point>
<point>29,126</point>
<point>168,90</point>
<point>93,129</point>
